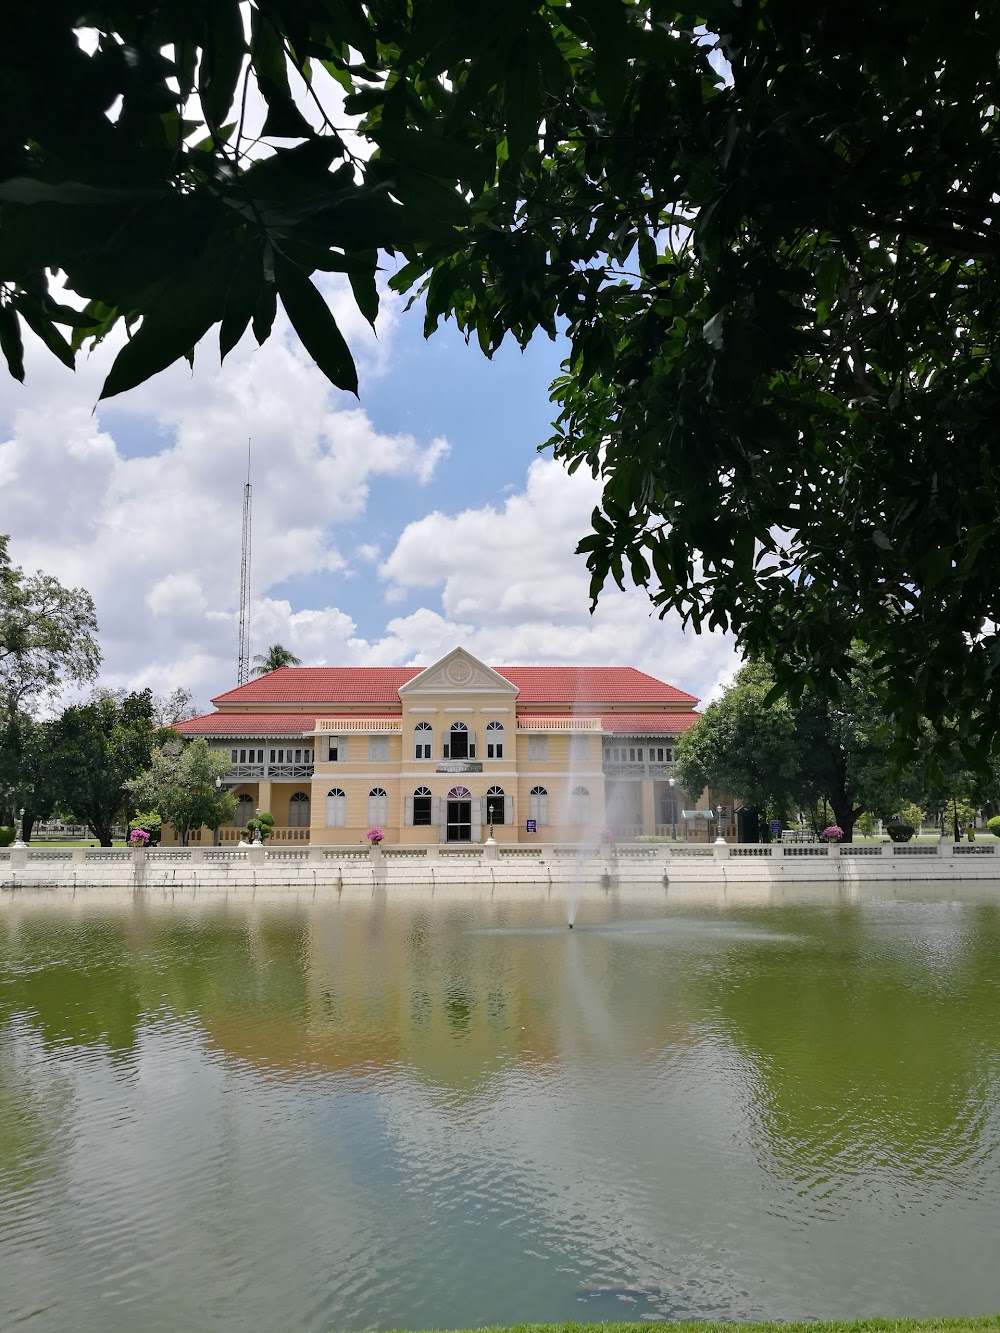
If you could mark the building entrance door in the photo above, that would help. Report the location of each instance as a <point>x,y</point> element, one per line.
<point>459,821</point>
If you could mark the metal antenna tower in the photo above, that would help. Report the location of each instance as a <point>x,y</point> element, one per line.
<point>243,673</point>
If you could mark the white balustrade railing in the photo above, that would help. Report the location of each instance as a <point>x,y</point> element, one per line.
<point>585,724</point>
<point>341,725</point>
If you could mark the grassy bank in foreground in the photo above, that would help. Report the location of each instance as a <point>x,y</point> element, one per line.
<point>976,1324</point>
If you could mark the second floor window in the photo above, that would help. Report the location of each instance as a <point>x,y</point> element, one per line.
<point>378,749</point>
<point>494,740</point>
<point>246,756</point>
<point>460,744</point>
<point>423,739</point>
<point>538,747</point>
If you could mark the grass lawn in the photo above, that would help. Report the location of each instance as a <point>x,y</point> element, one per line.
<point>987,1323</point>
<point>72,842</point>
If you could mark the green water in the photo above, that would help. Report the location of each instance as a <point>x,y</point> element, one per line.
<point>367,1113</point>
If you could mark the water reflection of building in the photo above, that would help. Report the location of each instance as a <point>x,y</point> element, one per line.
<point>445,753</point>
<point>379,988</point>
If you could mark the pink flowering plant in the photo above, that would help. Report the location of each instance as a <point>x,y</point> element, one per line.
<point>138,837</point>
<point>374,836</point>
<point>833,833</point>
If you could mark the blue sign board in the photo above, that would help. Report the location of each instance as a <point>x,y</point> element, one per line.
<point>775,825</point>
<point>531,826</point>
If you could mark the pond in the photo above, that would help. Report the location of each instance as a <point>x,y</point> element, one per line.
<point>382,1112</point>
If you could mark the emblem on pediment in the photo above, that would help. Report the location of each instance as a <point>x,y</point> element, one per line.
<point>458,671</point>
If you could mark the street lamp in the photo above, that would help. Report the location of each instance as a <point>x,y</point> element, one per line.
<point>19,840</point>
<point>673,808</point>
<point>489,812</point>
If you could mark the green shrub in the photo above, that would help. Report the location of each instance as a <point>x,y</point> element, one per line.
<point>262,824</point>
<point>151,822</point>
<point>898,831</point>
<point>994,825</point>
<point>6,835</point>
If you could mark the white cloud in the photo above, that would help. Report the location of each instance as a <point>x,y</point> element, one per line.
<point>156,538</point>
<point>513,591</point>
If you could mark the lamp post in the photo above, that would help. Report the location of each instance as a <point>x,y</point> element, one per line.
<point>489,812</point>
<point>673,809</point>
<point>19,840</point>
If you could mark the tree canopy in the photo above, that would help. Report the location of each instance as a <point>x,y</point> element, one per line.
<point>47,636</point>
<point>797,753</point>
<point>95,749</point>
<point>812,749</point>
<point>180,785</point>
<point>767,229</point>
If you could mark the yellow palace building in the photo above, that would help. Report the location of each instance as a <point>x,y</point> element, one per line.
<point>448,752</point>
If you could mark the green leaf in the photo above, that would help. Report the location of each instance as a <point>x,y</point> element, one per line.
<point>364,288</point>
<point>222,59</point>
<point>10,341</point>
<point>241,301</point>
<point>313,321</point>
<point>169,331</point>
<point>41,325</point>
<point>827,278</point>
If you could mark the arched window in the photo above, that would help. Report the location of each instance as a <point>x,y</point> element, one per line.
<point>538,805</point>
<point>579,806</point>
<point>244,810</point>
<point>460,745</point>
<point>336,808</point>
<point>378,807</point>
<point>495,806</point>
<point>460,794</point>
<point>298,810</point>
<point>422,807</point>
<point>494,740</point>
<point>423,739</point>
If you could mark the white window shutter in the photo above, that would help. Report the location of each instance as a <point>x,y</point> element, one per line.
<point>508,809</point>
<point>472,745</point>
<point>477,821</point>
<point>435,811</point>
<point>408,811</point>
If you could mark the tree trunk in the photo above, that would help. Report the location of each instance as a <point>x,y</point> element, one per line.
<point>101,831</point>
<point>844,813</point>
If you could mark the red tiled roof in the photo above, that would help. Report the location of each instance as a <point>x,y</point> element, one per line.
<point>373,685</point>
<point>247,724</point>
<point>592,685</point>
<point>313,685</point>
<point>649,724</point>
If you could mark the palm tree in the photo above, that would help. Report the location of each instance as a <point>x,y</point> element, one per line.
<point>275,657</point>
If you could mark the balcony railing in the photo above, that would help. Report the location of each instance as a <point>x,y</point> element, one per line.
<point>267,772</point>
<point>559,724</point>
<point>341,725</point>
<point>645,769</point>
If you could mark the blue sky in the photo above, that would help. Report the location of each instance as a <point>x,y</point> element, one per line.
<point>385,531</point>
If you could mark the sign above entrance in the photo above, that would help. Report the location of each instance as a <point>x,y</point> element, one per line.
<point>460,766</point>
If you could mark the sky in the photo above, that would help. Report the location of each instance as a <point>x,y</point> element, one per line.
<point>386,530</point>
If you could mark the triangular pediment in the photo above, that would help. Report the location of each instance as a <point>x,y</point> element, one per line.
<point>458,673</point>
